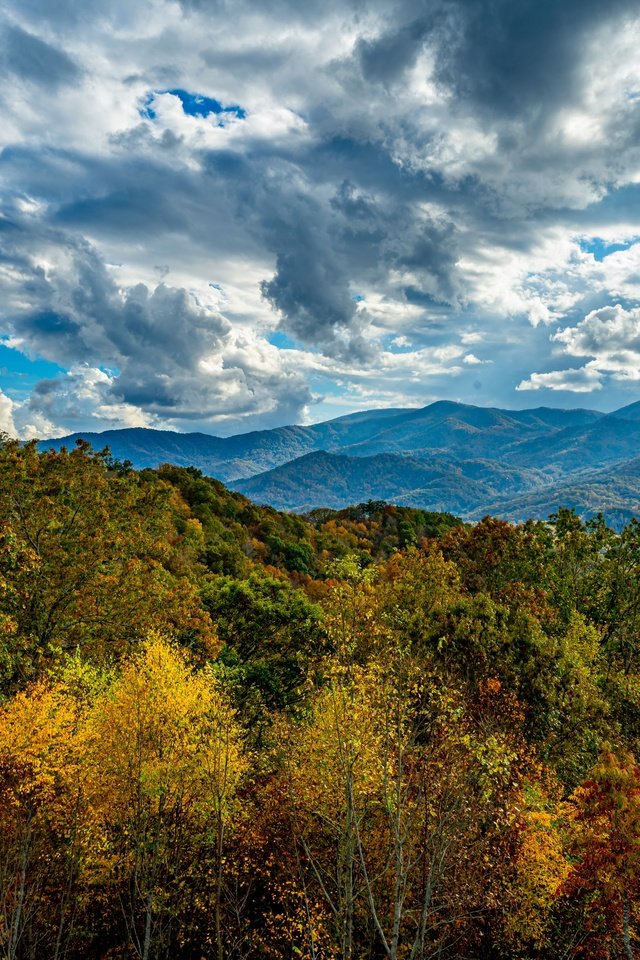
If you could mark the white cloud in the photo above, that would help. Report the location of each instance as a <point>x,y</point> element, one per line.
<point>611,336</point>
<point>471,360</point>
<point>7,408</point>
<point>581,380</point>
<point>472,336</point>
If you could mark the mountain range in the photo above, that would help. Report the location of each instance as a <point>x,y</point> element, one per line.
<point>446,456</point>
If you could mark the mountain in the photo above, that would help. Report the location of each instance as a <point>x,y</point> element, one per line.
<point>461,429</point>
<point>229,458</point>
<point>613,492</point>
<point>335,480</point>
<point>443,427</point>
<point>609,439</point>
<point>631,412</point>
<point>322,479</point>
<point>445,456</point>
<point>469,488</point>
<point>223,457</point>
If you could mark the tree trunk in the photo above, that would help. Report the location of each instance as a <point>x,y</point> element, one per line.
<point>218,909</point>
<point>16,926</point>
<point>148,925</point>
<point>627,937</point>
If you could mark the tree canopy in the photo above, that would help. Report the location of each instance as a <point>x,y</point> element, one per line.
<point>227,732</point>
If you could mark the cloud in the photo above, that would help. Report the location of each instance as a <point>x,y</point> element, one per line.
<point>516,56</point>
<point>602,332</point>
<point>582,380</point>
<point>611,336</point>
<point>7,424</point>
<point>74,310</point>
<point>30,58</point>
<point>20,419</point>
<point>472,360</point>
<point>171,357</point>
<point>84,394</point>
<point>388,56</point>
<point>448,162</point>
<point>311,292</point>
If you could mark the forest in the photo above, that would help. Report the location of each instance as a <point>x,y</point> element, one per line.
<point>375,733</point>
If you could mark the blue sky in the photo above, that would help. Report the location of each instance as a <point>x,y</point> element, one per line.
<point>224,217</point>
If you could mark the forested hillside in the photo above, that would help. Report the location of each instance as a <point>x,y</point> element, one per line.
<point>376,732</point>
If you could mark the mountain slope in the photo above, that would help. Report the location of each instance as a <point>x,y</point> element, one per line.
<point>336,480</point>
<point>229,458</point>
<point>445,456</point>
<point>223,457</point>
<point>442,427</point>
<point>469,488</point>
<point>613,491</point>
<point>464,430</point>
<point>630,412</point>
<point>610,439</point>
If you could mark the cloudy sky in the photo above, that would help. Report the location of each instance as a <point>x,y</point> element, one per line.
<point>223,215</point>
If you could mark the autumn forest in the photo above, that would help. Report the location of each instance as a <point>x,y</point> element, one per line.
<point>366,734</point>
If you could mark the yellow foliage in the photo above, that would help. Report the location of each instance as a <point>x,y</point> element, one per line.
<point>163,734</point>
<point>42,811</point>
<point>38,758</point>
<point>343,743</point>
<point>541,867</point>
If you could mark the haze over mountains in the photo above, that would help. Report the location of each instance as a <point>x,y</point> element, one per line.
<point>446,456</point>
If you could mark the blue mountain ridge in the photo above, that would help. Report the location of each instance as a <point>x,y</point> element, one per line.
<point>445,456</point>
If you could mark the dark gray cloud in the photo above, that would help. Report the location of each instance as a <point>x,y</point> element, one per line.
<point>386,58</point>
<point>174,358</point>
<point>327,249</point>
<point>31,59</point>
<point>512,56</point>
<point>312,286</point>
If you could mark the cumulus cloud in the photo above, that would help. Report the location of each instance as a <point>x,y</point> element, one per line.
<point>473,361</point>
<point>136,356</point>
<point>416,174</point>
<point>611,336</point>
<point>602,332</point>
<point>7,424</point>
<point>580,380</point>
<point>20,419</point>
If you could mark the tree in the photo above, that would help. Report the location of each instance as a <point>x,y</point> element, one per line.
<point>605,842</point>
<point>42,818</point>
<point>166,762</point>
<point>273,641</point>
<point>396,802</point>
<point>87,559</point>
<point>538,866</point>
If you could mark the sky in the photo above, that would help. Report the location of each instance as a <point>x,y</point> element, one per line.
<point>226,216</point>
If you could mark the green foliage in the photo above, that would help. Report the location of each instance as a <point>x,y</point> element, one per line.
<point>376,528</point>
<point>90,556</point>
<point>273,641</point>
